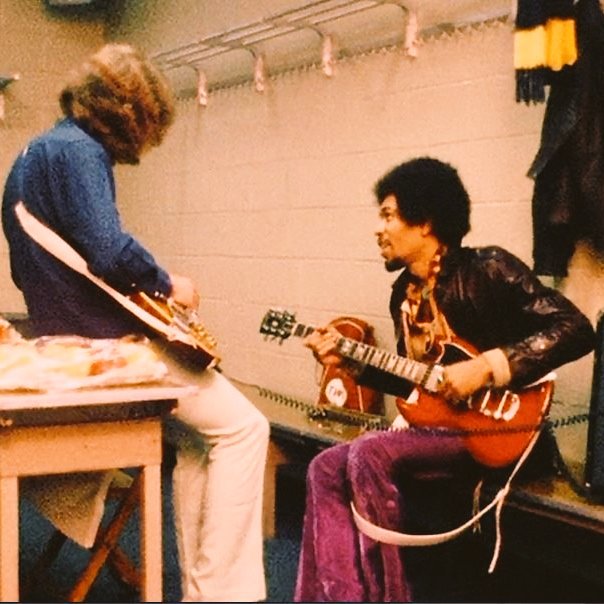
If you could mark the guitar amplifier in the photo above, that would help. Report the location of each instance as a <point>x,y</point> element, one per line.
<point>594,461</point>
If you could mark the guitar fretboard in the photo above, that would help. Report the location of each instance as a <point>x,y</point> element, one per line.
<point>425,375</point>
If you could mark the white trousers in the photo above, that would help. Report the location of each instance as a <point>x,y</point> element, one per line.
<point>218,485</point>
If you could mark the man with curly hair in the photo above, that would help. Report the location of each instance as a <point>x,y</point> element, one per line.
<point>116,107</point>
<point>444,293</point>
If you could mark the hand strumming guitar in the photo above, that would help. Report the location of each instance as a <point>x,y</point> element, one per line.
<point>184,291</point>
<point>464,378</point>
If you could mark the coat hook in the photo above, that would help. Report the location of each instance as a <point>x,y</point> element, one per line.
<point>327,50</point>
<point>327,59</point>
<point>4,82</point>
<point>259,69</point>
<point>410,42</point>
<point>202,87</point>
<point>201,96</point>
<point>410,45</point>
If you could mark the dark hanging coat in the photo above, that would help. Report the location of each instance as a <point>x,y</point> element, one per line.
<point>568,197</point>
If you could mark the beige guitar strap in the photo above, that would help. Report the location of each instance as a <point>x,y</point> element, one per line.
<point>392,537</point>
<point>61,250</point>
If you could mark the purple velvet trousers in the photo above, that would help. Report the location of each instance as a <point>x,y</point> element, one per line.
<point>339,564</point>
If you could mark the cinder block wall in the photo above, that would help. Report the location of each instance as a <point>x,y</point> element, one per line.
<point>266,199</point>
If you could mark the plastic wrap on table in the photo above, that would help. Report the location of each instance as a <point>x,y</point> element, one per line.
<point>73,362</point>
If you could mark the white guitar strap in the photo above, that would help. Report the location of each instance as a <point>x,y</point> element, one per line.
<point>61,250</point>
<point>392,537</point>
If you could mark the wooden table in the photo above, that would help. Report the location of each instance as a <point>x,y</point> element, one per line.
<point>84,430</point>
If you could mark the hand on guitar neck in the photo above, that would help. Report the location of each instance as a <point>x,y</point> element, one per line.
<point>461,379</point>
<point>323,343</point>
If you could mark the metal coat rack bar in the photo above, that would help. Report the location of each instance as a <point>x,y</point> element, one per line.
<point>309,16</point>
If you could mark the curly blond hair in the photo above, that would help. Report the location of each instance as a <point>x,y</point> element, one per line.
<point>120,98</point>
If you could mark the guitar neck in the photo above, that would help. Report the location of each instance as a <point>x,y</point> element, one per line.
<point>428,376</point>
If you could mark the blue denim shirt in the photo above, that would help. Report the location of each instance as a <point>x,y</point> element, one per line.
<point>65,178</point>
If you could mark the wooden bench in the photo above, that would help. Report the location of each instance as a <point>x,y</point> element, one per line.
<point>546,521</point>
<point>543,519</point>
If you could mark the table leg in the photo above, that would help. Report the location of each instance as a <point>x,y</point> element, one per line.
<point>151,534</point>
<point>9,539</point>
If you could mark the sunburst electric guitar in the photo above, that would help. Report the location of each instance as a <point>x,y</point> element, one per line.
<point>496,424</point>
<point>174,322</point>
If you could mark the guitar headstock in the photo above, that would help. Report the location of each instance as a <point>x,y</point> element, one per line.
<point>278,324</point>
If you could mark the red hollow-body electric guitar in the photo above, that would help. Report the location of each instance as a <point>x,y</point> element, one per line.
<point>496,424</point>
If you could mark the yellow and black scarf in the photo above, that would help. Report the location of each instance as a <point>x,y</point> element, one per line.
<point>544,42</point>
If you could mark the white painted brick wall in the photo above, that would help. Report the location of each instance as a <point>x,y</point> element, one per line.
<point>266,199</point>
<point>269,196</point>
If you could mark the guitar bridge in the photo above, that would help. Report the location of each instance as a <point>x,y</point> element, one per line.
<point>187,320</point>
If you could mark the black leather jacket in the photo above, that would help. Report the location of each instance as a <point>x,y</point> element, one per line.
<point>491,299</point>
